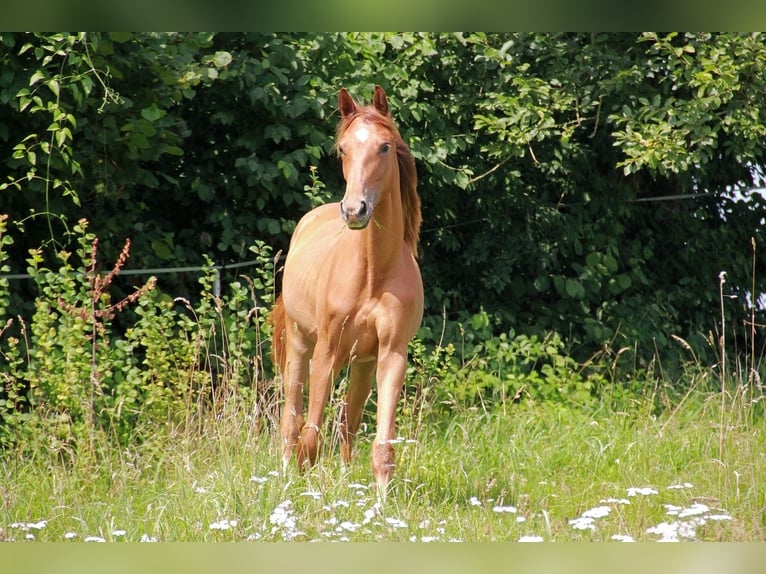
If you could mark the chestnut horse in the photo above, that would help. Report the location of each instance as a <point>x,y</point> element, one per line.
<point>352,292</point>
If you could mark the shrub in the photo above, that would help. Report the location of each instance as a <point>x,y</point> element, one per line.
<point>70,372</point>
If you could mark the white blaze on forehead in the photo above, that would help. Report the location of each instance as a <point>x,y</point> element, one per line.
<point>362,134</point>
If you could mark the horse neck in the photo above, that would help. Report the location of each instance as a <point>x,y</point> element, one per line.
<point>383,238</point>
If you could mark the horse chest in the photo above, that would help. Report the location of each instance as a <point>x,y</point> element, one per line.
<point>355,330</point>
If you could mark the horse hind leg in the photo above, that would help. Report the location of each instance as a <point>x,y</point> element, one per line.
<point>359,385</point>
<point>295,374</point>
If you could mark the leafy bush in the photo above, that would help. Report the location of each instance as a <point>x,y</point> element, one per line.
<point>71,374</point>
<point>492,372</point>
<point>592,185</point>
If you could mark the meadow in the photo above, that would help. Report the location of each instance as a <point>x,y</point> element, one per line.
<point>532,473</point>
<point>167,430</point>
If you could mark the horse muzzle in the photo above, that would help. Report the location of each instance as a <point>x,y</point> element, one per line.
<point>356,215</point>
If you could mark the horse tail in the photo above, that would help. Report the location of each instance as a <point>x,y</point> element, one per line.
<point>277,320</point>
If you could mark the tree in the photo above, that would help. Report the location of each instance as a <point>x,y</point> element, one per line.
<point>589,184</point>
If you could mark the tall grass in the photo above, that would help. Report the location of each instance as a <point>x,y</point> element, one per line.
<point>477,476</point>
<point>169,432</point>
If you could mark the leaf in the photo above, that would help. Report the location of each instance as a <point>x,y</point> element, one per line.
<point>36,77</point>
<point>162,249</point>
<point>575,289</point>
<point>120,37</point>
<point>624,281</point>
<point>152,113</point>
<point>592,259</point>
<point>222,59</point>
<point>54,87</point>
<point>174,150</point>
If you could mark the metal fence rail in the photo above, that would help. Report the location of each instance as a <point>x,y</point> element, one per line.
<point>162,271</point>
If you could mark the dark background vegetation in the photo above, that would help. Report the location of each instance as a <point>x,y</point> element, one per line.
<point>594,185</point>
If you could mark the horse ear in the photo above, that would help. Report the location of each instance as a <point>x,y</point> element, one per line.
<point>379,101</point>
<point>345,103</point>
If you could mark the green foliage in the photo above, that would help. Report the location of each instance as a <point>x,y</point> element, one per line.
<point>592,185</point>
<point>73,376</point>
<point>494,372</point>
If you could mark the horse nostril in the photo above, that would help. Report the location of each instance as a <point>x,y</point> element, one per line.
<point>363,209</point>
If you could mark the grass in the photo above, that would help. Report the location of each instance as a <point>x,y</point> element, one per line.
<point>638,462</point>
<point>540,471</point>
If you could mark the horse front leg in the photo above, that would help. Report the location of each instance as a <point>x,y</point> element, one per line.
<point>359,385</point>
<point>323,370</point>
<point>392,367</point>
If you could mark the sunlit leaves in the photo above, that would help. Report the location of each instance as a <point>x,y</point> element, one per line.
<point>699,97</point>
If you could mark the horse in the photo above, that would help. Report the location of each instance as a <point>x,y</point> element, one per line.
<point>352,293</point>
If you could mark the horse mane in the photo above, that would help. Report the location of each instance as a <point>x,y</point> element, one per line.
<point>408,177</point>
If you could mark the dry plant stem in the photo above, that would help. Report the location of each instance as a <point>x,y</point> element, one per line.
<point>96,315</point>
<point>721,281</point>
<point>752,374</point>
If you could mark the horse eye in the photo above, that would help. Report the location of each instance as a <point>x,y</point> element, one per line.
<point>385,147</point>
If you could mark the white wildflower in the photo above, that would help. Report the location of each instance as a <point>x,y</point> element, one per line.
<point>473,501</point>
<point>667,531</point>
<point>37,525</point>
<point>531,539</point>
<point>282,515</point>
<point>615,501</point>
<point>347,526</point>
<point>26,526</point>
<point>371,513</point>
<point>582,523</point>
<point>680,486</point>
<point>224,524</point>
<point>396,522</point>
<point>70,535</point>
<point>695,510</point>
<point>622,538</point>
<point>598,512</point>
<point>644,491</point>
<point>672,509</point>
<point>283,519</point>
<point>94,539</point>
<point>671,532</point>
<point>501,509</point>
